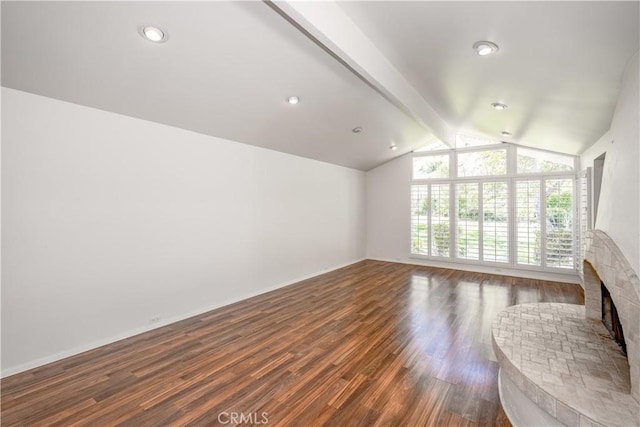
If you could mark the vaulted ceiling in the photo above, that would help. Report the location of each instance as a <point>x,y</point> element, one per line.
<point>405,72</point>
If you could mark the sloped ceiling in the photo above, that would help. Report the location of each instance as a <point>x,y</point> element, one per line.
<point>227,68</point>
<point>558,68</point>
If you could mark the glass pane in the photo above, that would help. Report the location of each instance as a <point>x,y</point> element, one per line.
<point>467,211</point>
<point>425,167</point>
<point>440,220</point>
<point>528,222</point>
<point>482,163</point>
<point>559,213</point>
<point>534,161</point>
<point>433,146</point>
<point>419,219</point>
<point>495,225</point>
<point>463,141</point>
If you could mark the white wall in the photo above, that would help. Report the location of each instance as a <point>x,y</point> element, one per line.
<point>110,221</point>
<point>619,208</point>
<point>388,204</point>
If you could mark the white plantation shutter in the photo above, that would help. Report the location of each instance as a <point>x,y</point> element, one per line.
<point>528,218</point>
<point>430,225</point>
<point>419,219</point>
<point>559,225</point>
<point>440,224</point>
<point>468,221</point>
<point>495,224</point>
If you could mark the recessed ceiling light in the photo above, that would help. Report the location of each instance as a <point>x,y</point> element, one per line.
<point>499,106</point>
<point>153,34</point>
<point>505,133</point>
<point>293,100</point>
<point>393,147</point>
<point>484,48</point>
<point>356,130</point>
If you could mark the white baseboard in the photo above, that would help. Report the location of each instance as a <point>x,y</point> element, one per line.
<point>99,343</point>
<point>501,271</point>
<point>540,275</point>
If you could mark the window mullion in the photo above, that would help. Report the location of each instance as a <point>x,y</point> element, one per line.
<point>453,214</point>
<point>480,222</point>
<point>429,214</point>
<point>576,222</point>
<point>453,221</point>
<point>543,223</point>
<point>511,206</point>
<point>504,239</point>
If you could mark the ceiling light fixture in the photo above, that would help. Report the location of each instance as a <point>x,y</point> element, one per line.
<point>153,34</point>
<point>499,106</point>
<point>505,133</point>
<point>484,48</point>
<point>393,147</point>
<point>293,100</point>
<point>356,130</point>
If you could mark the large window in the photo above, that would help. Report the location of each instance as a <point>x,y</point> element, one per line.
<point>502,205</point>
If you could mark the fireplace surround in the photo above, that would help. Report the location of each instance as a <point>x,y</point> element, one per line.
<point>558,362</point>
<point>605,263</point>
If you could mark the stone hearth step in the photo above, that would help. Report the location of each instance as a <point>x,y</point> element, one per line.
<point>566,364</point>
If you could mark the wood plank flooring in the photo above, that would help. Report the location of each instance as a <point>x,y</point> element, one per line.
<point>374,343</point>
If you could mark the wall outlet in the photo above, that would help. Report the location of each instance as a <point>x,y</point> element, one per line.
<point>154,320</point>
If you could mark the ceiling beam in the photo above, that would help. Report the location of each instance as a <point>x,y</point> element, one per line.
<point>329,25</point>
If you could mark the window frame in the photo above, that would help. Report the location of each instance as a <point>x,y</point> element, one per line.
<point>511,177</point>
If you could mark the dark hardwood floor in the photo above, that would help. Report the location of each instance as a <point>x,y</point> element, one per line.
<point>374,343</point>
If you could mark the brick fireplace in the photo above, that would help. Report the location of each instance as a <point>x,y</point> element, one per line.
<point>605,263</point>
<point>558,363</point>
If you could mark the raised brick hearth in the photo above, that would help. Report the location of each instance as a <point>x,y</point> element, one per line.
<point>562,358</point>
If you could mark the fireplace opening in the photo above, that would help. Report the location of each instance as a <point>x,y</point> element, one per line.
<point>610,318</point>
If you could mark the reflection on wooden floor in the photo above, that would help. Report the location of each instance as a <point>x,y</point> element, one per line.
<point>374,343</point>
